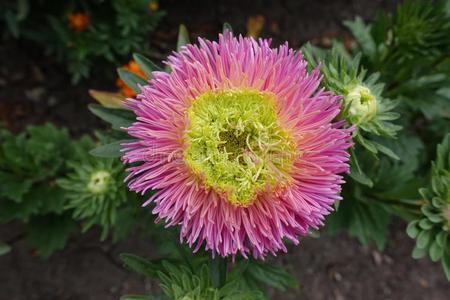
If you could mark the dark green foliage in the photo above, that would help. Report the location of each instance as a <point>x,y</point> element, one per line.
<point>411,51</point>
<point>48,233</point>
<point>29,164</point>
<point>432,228</point>
<point>94,188</point>
<point>192,279</point>
<point>13,14</point>
<point>52,183</point>
<point>115,28</point>
<point>344,76</point>
<point>404,61</point>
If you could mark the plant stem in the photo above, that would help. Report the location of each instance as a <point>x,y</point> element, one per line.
<point>218,271</point>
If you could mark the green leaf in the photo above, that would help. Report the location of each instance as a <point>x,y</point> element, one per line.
<point>446,265</point>
<point>441,238</point>
<point>14,187</point>
<point>23,8</point>
<point>436,251</point>
<point>361,31</point>
<point>107,99</point>
<point>386,150</point>
<point>356,172</point>
<point>360,177</point>
<point>423,239</point>
<point>412,229</point>
<point>183,37</point>
<point>140,265</point>
<point>425,224</point>
<point>49,197</point>
<point>146,65</point>
<point>11,22</point>
<point>368,144</point>
<point>418,253</point>
<point>109,150</point>
<point>218,270</point>
<point>118,118</point>
<point>272,275</point>
<point>366,221</point>
<point>131,79</point>
<point>128,219</point>
<point>4,248</point>
<point>48,233</point>
<point>227,28</point>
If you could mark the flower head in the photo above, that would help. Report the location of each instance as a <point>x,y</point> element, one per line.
<point>94,188</point>
<point>79,21</point>
<point>240,145</point>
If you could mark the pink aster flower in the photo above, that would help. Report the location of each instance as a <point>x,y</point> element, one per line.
<point>240,144</point>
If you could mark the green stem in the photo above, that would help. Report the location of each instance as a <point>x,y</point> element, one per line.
<point>218,271</point>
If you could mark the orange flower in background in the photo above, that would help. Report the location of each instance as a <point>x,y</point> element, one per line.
<point>153,6</point>
<point>132,66</point>
<point>79,21</point>
<point>254,25</point>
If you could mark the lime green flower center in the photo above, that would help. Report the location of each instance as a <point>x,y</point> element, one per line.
<point>98,184</point>
<point>236,144</point>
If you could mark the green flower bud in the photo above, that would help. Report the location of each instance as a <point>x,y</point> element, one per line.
<point>360,105</point>
<point>98,184</point>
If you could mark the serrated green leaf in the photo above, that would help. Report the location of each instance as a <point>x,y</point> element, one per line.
<point>14,187</point>
<point>272,275</point>
<point>48,233</point>
<point>140,265</point>
<point>361,31</point>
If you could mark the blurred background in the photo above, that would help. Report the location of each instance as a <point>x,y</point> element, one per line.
<point>53,52</point>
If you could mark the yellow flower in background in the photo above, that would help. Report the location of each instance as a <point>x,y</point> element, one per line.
<point>254,25</point>
<point>153,6</point>
<point>79,21</point>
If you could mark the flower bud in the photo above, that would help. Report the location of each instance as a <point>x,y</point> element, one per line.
<point>99,182</point>
<point>360,105</point>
